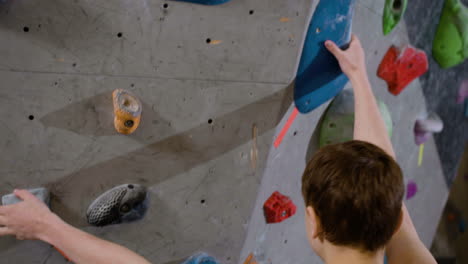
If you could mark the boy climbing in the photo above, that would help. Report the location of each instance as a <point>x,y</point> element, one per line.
<point>354,190</point>
<point>353,193</point>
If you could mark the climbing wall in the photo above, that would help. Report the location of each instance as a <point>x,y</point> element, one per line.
<point>216,85</point>
<point>440,86</point>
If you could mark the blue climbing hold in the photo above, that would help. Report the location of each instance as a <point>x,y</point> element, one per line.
<point>319,77</point>
<point>205,2</point>
<point>201,258</point>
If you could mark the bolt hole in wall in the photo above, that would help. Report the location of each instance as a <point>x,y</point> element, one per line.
<point>397,4</point>
<point>210,121</point>
<point>251,12</point>
<point>295,133</point>
<point>74,64</point>
<point>165,5</point>
<point>129,123</point>
<point>208,40</point>
<point>119,35</point>
<point>202,201</point>
<point>26,29</point>
<point>31,117</point>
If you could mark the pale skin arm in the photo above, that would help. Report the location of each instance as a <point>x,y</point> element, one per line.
<point>405,246</point>
<point>31,219</point>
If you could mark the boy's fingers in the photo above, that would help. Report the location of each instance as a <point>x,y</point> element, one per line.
<point>5,231</point>
<point>354,40</point>
<point>4,209</point>
<point>333,48</point>
<point>24,195</point>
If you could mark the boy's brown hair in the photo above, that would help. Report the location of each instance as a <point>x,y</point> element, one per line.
<point>356,191</point>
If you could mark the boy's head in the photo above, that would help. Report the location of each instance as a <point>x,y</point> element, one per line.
<point>353,193</point>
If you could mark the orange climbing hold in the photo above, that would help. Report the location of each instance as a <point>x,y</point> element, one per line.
<point>127,111</point>
<point>400,67</point>
<point>250,259</point>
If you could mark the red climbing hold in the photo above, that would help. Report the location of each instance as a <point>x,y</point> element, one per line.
<point>278,208</point>
<point>400,67</point>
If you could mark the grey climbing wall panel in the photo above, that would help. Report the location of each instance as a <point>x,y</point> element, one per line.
<point>82,37</point>
<point>196,148</point>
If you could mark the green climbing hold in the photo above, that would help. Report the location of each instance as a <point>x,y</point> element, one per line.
<point>338,122</point>
<point>450,45</point>
<point>393,11</point>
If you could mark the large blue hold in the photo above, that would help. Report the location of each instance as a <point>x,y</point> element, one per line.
<point>205,2</point>
<point>201,258</point>
<point>319,77</point>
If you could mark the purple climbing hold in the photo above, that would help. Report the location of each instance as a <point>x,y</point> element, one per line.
<point>463,95</point>
<point>421,137</point>
<point>423,128</point>
<point>411,189</point>
<point>463,92</point>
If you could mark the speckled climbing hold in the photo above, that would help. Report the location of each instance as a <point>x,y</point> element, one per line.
<point>393,12</point>
<point>400,67</point>
<point>411,189</point>
<point>201,258</point>
<point>338,122</point>
<point>127,111</point>
<point>450,45</point>
<point>123,203</point>
<point>319,77</point>
<point>278,208</point>
<point>424,128</point>
<point>205,2</point>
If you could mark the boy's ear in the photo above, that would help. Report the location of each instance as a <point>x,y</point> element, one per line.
<point>313,221</point>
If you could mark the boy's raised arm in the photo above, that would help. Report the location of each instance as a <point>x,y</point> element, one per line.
<point>405,246</point>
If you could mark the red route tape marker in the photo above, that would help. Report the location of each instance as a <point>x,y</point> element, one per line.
<point>286,127</point>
